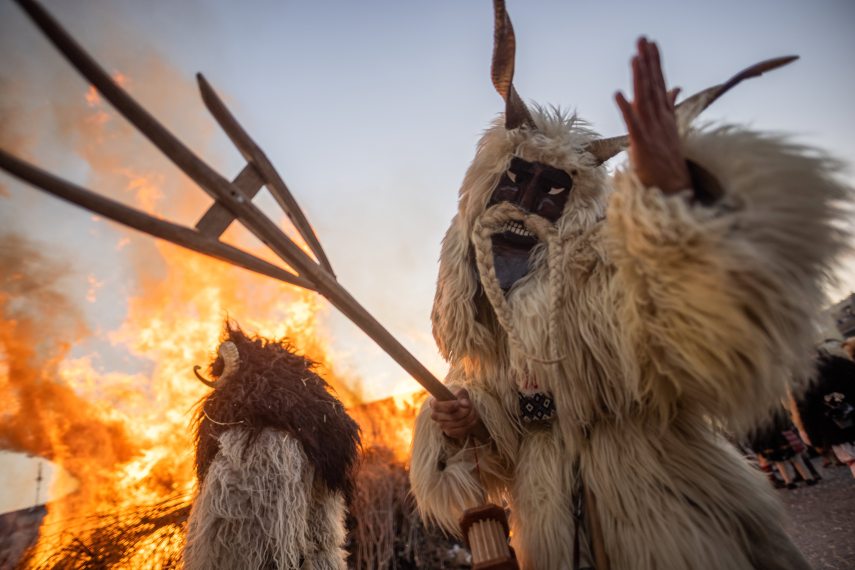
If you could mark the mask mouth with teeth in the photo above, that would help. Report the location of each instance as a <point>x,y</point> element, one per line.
<point>536,189</point>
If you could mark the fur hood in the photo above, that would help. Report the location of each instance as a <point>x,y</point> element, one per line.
<point>278,389</point>
<point>463,324</point>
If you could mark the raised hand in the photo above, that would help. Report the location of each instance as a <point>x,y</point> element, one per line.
<point>456,418</point>
<point>654,141</point>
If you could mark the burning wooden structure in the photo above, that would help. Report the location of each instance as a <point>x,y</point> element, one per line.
<point>384,529</point>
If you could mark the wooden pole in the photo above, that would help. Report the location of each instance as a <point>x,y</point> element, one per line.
<point>196,241</point>
<point>224,192</point>
<point>141,221</point>
<point>254,155</point>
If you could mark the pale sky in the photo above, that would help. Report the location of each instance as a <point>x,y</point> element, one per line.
<point>371,111</point>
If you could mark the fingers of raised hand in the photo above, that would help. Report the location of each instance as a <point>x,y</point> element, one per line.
<point>629,117</point>
<point>654,140</point>
<point>652,102</point>
<point>654,69</point>
<point>672,96</point>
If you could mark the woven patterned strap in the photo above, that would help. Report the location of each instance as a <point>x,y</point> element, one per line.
<point>536,407</point>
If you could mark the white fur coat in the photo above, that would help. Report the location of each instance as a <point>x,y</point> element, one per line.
<point>259,508</point>
<point>675,319</point>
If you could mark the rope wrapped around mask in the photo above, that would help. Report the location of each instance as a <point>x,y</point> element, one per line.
<point>490,223</point>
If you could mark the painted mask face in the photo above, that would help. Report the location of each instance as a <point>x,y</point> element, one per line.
<point>535,188</point>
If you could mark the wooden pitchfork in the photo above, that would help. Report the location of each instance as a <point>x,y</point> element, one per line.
<point>233,202</point>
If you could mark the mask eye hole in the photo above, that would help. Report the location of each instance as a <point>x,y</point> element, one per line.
<point>556,182</point>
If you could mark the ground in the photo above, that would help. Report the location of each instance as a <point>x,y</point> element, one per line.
<point>822,524</point>
<point>822,519</point>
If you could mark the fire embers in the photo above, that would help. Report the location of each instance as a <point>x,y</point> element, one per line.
<point>275,454</point>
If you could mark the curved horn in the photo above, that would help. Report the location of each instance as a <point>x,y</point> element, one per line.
<point>502,69</point>
<point>231,360</point>
<point>689,109</point>
<point>604,149</point>
<point>202,379</point>
<point>228,351</point>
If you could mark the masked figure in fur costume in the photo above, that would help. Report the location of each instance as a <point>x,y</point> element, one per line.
<point>275,452</point>
<point>603,329</point>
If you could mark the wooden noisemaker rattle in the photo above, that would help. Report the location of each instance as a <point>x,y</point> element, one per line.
<point>486,531</point>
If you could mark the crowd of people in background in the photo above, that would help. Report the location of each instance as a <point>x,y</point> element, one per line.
<point>817,422</point>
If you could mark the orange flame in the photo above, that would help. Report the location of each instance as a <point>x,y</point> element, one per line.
<point>125,436</point>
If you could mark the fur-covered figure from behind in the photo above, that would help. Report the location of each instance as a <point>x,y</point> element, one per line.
<point>275,459</point>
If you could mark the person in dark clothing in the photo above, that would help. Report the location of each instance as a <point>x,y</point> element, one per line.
<point>827,408</point>
<point>779,444</point>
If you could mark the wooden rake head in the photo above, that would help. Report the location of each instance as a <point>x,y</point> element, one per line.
<point>232,200</point>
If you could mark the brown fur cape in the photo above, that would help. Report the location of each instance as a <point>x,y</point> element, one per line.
<point>279,389</point>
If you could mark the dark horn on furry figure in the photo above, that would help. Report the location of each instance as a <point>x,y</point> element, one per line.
<point>692,106</point>
<point>604,149</point>
<point>202,379</point>
<point>504,52</point>
<point>688,109</point>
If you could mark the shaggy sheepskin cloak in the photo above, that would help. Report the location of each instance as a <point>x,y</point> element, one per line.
<point>674,319</point>
<point>275,457</point>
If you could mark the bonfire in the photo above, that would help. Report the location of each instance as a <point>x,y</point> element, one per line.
<point>125,439</point>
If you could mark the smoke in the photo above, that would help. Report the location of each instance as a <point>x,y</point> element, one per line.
<point>40,413</point>
<point>52,403</point>
<point>14,134</point>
